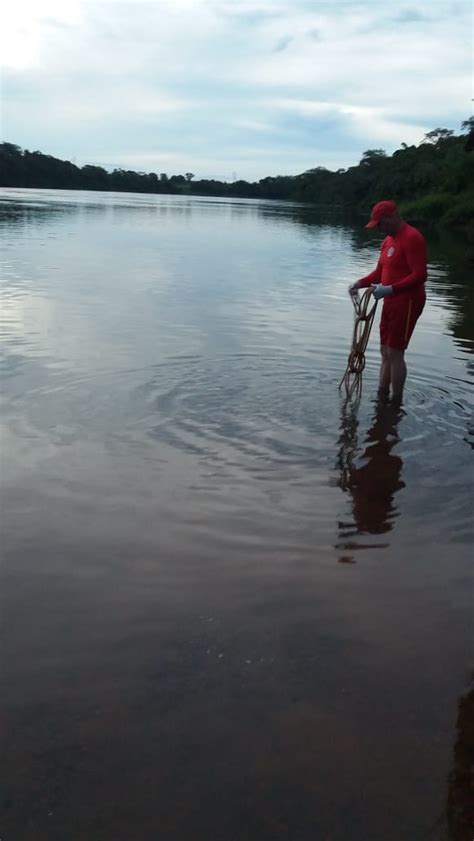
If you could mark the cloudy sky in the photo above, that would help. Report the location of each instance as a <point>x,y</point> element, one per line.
<point>231,88</point>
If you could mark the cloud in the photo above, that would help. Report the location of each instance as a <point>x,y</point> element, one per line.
<point>361,120</point>
<point>265,86</point>
<point>255,125</point>
<point>283,43</point>
<point>24,28</point>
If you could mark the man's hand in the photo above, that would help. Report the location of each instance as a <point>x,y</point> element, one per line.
<point>353,288</point>
<point>381,291</point>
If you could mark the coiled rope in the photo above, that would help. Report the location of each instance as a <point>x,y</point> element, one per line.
<point>363,319</point>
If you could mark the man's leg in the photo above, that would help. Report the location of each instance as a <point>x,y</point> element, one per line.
<point>385,371</point>
<point>398,372</point>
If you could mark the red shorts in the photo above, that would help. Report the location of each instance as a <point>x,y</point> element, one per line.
<point>399,316</point>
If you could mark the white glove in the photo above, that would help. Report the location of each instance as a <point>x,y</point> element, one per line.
<point>380,291</point>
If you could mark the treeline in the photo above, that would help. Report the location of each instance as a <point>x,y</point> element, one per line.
<point>434,180</point>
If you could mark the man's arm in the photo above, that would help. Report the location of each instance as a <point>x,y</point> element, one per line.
<point>415,254</point>
<point>364,282</point>
<point>373,277</point>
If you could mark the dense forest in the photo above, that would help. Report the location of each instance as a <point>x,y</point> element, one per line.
<point>433,181</point>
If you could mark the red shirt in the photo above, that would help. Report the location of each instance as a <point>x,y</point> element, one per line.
<point>402,263</point>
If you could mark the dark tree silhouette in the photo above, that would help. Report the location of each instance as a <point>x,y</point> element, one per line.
<point>432,182</point>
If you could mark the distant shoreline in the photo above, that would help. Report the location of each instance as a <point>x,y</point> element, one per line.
<point>433,183</point>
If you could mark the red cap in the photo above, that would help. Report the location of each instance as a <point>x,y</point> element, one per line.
<point>382,208</point>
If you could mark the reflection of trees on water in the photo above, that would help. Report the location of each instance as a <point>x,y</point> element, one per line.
<point>460,802</point>
<point>372,477</point>
<point>456,257</point>
<point>35,211</point>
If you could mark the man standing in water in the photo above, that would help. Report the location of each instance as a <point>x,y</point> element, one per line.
<point>399,278</point>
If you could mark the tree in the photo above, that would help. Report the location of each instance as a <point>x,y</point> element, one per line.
<point>95,177</point>
<point>438,135</point>
<point>426,179</point>
<point>371,156</point>
<point>10,148</point>
<point>468,125</point>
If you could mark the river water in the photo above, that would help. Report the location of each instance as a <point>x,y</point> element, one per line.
<point>235,606</point>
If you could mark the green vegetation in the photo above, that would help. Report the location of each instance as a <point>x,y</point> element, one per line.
<point>433,182</point>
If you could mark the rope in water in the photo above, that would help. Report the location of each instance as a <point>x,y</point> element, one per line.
<point>363,320</point>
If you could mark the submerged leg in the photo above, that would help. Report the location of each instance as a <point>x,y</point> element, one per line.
<point>385,371</point>
<point>398,373</point>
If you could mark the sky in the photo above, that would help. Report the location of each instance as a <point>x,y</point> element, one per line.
<point>231,89</point>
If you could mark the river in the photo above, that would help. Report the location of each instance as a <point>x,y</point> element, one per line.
<point>235,606</point>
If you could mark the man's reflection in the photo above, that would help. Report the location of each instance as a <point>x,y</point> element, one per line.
<point>372,477</point>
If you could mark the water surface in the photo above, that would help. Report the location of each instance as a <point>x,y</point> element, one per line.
<point>235,606</point>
